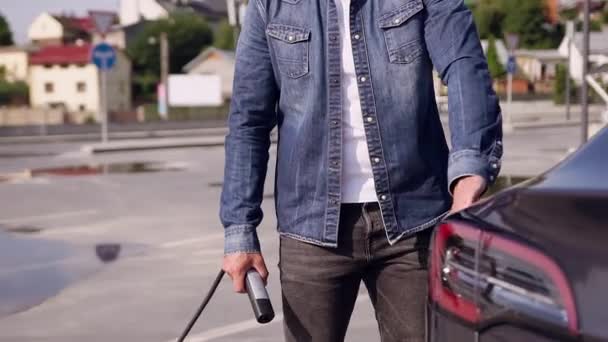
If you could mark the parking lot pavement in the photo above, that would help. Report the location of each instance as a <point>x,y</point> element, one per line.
<point>123,246</point>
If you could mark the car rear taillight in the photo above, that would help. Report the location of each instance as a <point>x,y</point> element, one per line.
<point>480,276</point>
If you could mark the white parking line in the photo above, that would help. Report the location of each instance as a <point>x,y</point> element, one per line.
<point>239,327</point>
<point>53,216</point>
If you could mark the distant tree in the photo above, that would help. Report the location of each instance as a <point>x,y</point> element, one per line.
<point>224,37</point>
<point>527,19</point>
<point>496,68</point>
<point>605,15</point>
<point>187,33</point>
<point>489,16</point>
<point>559,86</point>
<point>6,36</point>
<point>569,13</point>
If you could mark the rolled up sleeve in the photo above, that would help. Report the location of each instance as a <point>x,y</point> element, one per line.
<point>474,111</point>
<point>251,119</point>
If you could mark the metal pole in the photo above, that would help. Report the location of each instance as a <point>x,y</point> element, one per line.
<point>508,122</point>
<point>585,87</point>
<point>104,107</point>
<point>164,67</point>
<point>568,79</point>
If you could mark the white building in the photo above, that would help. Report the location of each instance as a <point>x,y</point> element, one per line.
<point>218,62</point>
<point>14,62</point>
<point>598,46</point>
<point>133,11</point>
<point>46,29</point>
<point>539,65</point>
<point>63,77</point>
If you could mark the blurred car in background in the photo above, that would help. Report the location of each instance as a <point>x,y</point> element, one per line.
<point>530,263</point>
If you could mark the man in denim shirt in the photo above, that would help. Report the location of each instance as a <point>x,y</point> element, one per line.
<point>363,168</point>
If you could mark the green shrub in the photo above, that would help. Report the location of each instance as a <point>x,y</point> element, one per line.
<point>13,92</point>
<point>559,87</point>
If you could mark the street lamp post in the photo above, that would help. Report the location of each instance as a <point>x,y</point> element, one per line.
<point>570,39</point>
<point>512,42</point>
<point>585,87</point>
<point>163,87</point>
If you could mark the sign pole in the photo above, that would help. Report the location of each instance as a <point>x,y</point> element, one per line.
<point>570,35</point>
<point>104,106</point>
<point>585,87</point>
<point>509,100</point>
<point>512,42</point>
<point>104,57</point>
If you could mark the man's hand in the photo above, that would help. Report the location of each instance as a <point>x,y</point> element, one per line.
<point>467,191</point>
<point>237,265</point>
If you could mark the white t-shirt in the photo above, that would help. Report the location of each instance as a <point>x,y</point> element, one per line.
<point>357,177</point>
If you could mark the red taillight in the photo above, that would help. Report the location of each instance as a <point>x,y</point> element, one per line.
<point>477,275</point>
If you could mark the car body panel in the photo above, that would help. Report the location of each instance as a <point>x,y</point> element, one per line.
<point>564,214</point>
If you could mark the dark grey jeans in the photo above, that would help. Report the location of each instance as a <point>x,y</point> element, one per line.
<point>320,285</point>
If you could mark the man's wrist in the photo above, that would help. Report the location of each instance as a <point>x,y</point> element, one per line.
<point>470,186</point>
<point>470,163</point>
<point>241,239</point>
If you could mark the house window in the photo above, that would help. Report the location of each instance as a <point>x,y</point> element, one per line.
<point>82,108</point>
<point>81,87</point>
<point>48,66</point>
<point>48,87</point>
<point>64,66</point>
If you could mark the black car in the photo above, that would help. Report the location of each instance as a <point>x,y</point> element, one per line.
<point>530,263</point>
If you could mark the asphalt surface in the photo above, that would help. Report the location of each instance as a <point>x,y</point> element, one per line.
<point>123,246</point>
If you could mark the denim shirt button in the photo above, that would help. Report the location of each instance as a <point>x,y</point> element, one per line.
<point>362,79</point>
<point>356,36</point>
<point>333,37</point>
<point>494,165</point>
<point>335,122</point>
<point>376,160</point>
<point>383,197</point>
<point>370,119</point>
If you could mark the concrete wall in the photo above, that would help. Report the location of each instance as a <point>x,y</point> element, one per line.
<point>45,28</point>
<point>119,85</point>
<point>21,116</point>
<point>15,63</point>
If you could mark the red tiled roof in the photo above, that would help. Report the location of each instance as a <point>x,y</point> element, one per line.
<point>61,54</point>
<point>85,24</point>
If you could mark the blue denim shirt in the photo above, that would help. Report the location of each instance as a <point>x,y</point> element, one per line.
<point>288,63</point>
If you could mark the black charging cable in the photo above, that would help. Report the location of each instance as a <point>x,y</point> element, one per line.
<point>216,283</point>
<point>258,296</point>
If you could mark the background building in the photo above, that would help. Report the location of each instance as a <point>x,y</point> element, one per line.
<point>218,62</point>
<point>62,77</point>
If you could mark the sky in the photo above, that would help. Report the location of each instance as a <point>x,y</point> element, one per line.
<point>20,13</point>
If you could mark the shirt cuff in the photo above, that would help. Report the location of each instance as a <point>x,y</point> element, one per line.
<point>471,163</point>
<point>241,239</point>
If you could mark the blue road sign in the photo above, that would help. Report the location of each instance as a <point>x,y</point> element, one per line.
<point>511,65</point>
<point>104,56</point>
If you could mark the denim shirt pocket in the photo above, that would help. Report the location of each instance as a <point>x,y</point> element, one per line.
<point>403,36</point>
<point>291,48</point>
